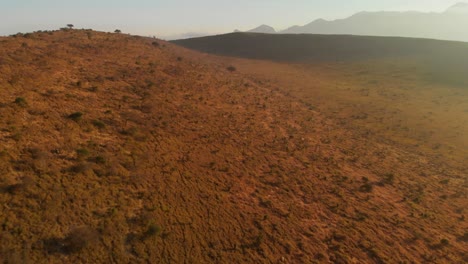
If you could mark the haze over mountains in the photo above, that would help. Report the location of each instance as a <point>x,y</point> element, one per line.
<point>449,25</point>
<point>263,29</point>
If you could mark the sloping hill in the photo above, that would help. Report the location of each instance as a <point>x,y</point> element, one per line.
<point>122,149</point>
<point>323,48</point>
<point>444,60</point>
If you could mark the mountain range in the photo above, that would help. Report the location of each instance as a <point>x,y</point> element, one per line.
<point>263,29</point>
<point>448,25</point>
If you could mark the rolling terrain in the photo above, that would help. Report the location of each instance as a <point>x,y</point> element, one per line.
<point>444,61</point>
<point>124,149</point>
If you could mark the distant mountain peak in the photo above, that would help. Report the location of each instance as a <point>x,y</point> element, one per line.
<point>448,25</point>
<point>460,4</point>
<point>320,20</point>
<point>263,29</point>
<point>461,7</point>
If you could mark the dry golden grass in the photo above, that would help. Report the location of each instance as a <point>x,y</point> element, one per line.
<point>124,151</point>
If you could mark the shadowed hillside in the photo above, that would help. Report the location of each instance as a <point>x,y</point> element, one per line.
<point>123,149</point>
<point>444,60</point>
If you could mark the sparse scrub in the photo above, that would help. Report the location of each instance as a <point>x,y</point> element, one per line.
<point>231,68</point>
<point>444,182</point>
<point>79,239</point>
<point>366,187</point>
<point>99,124</point>
<point>21,101</point>
<point>20,187</point>
<point>152,230</point>
<point>16,136</point>
<point>75,116</point>
<point>93,89</point>
<point>135,133</point>
<point>220,159</point>
<point>444,242</point>
<point>80,168</point>
<point>130,132</point>
<point>82,153</point>
<point>464,237</point>
<point>98,160</point>
<point>388,178</point>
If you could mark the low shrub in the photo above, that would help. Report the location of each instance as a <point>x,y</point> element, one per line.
<point>78,239</point>
<point>21,101</point>
<point>152,230</point>
<point>98,124</point>
<point>366,187</point>
<point>75,116</point>
<point>82,153</point>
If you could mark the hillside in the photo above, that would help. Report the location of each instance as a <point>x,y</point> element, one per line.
<point>123,149</point>
<point>441,60</point>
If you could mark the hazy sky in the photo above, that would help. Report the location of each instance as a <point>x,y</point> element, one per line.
<point>173,17</point>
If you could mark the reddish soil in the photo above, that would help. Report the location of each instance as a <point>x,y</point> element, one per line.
<point>122,149</point>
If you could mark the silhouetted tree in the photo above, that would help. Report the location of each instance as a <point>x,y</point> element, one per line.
<point>70,26</point>
<point>117,31</point>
